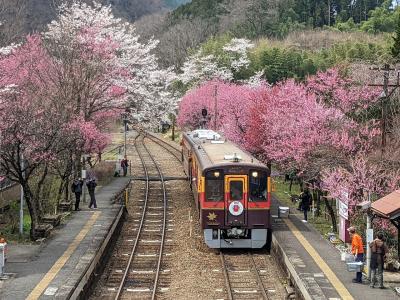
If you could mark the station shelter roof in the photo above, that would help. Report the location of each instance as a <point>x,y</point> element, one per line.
<point>388,206</point>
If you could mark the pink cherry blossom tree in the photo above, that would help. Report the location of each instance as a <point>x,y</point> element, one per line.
<point>32,120</point>
<point>58,90</point>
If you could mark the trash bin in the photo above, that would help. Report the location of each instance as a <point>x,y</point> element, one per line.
<point>283,212</point>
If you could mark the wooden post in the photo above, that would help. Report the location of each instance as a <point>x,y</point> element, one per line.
<point>396,223</point>
<point>173,128</point>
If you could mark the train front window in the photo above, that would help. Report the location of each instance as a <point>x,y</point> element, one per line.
<point>236,190</point>
<point>258,186</point>
<point>214,185</point>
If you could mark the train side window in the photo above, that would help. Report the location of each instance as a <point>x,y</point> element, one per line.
<point>214,185</point>
<point>257,186</point>
<point>236,190</point>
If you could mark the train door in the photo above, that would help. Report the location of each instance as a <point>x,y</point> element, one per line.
<point>236,200</point>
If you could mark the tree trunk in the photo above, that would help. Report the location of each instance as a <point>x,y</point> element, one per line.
<point>66,188</point>
<point>39,188</point>
<point>331,214</point>
<point>78,164</point>
<point>33,210</point>
<point>318,204</point>
<point>290,184</point>
<point>60,190</point>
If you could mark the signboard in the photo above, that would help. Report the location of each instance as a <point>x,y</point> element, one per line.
<point>343,210</point>
<point>370,235</point>
<point>343,233</point>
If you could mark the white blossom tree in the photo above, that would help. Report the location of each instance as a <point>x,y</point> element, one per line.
<point>222,65</point>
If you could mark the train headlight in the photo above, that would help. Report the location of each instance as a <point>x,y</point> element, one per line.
<point>216,174</point>
<point>254,174</point>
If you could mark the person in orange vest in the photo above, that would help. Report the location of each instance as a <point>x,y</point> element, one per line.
<point>357,248</point>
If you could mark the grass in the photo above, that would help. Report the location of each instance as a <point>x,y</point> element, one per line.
<point>321,223</point>
<point>111,152</point>
<point>283,194</point>
<point>177,135</point>
<point>10,230</point>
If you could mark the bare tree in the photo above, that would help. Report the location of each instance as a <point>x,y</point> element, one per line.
<point>176,43</point>
<point>12,21</point>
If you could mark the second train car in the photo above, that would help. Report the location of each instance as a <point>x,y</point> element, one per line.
<point>232,191</point>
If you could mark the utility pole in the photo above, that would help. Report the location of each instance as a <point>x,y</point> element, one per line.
<point>384,105</point>
<point>384,98</point>
<point>21,207</point>
<point>125,122</point>
<point>215,107</point>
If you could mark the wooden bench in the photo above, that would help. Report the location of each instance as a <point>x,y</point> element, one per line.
<point>53,220</point>
<point>65,206</point>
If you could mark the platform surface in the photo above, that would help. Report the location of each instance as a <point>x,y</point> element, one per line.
<point>317,262</point>
<point>52,269</point>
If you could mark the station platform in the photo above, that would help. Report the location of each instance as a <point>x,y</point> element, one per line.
<point>61,266</point>
<point>314,263</point>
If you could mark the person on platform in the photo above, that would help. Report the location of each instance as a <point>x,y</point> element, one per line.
<point>378,254</point>
<point>76,188</point>
<point>305,203</point>
<point>124,165</point>
<point>91,185</point>
<point>357,249</point>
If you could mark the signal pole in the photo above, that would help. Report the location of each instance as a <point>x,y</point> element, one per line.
<point>215,107</point>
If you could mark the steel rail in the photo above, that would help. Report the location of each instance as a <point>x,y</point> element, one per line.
<point>259,280</point>
<point>161,143</point>
<point>226,276</point>
<point>228,283</point>
<point>141,222</point>
<point>164,223</point>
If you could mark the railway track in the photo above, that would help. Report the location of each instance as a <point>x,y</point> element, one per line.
<point>136,271</point>
<point>247,276</point>
<point>167,146</point>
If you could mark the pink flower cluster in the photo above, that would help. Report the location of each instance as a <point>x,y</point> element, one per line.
<point>289,122</point>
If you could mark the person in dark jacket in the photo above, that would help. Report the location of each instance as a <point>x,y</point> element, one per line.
<point>305,202</point>
<point>124,165</point>
<point>378,255</point>
<point>91,185</point>
<point>76,188</point>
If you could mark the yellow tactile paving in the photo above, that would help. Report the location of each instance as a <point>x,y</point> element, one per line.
<point>336,283</point>
<point>42,285</point>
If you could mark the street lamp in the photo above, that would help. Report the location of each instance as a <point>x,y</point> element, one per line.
<point>125,122</point>
<point>83,176</point>
<point>21,207</point>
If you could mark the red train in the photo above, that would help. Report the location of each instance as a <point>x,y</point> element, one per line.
<point>232,191</point>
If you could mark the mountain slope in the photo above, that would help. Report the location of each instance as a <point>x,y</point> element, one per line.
<point>34,15</point>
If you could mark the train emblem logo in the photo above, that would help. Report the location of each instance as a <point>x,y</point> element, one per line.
<point>236,208</point>
<point>212,216</point>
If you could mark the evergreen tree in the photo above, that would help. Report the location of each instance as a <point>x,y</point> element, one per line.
<point>396,46</point>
